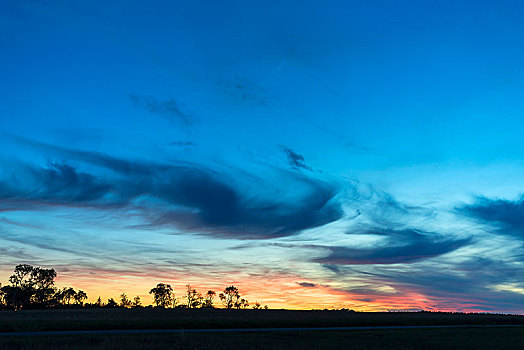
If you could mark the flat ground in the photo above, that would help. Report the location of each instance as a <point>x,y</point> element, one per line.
<point>106,319</point>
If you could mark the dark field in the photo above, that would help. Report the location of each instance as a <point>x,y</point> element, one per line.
<point>454,338</point>
<point>97,319</point>
<point>147,318</point>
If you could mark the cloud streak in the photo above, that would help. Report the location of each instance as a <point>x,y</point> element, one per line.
<point>307,284</point>
<point>60,183</point>
<point>294,159</point>
<point>170,109</point>
<point>410,246</point>
<point>187,196</point>
<point>245,91</point>
<point>507,216</point>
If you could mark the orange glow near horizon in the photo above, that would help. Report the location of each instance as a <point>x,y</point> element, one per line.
<point>277,291</point>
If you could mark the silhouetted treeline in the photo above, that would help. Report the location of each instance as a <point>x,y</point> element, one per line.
<point>230,298</point>
<point>34,288</point>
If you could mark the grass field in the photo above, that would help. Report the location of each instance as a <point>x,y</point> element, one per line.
<point>450,338</point>
<point>97,319</point>
<point>91,319</point>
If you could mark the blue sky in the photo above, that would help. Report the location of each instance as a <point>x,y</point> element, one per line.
<point>365,153</point>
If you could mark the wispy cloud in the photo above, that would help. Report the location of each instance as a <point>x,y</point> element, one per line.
<point>187,196</point>
<point>307,284</point>
<point>59,183</point>
<point>416,247</point>
<point>295,159</point>
<point>182,143</point>
<point>505,215</point>
<point>170,109</point>
<point>474,284</point>
<point>245,91</point>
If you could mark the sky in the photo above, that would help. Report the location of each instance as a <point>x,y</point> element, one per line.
<point>316,154</point>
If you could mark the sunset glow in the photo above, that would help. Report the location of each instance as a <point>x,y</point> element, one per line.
<point>321,155</point>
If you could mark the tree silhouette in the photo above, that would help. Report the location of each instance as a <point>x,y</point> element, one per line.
<point>163,295</point>
<point>33,287</point>
<point>136,302</point>
<point>208,299</point>
<point>99,302</point>
<point>20,292</point>
<point>194,298</point>
<point>2,298</point>
<point>66,295</point>
<point>42,281</point>
<point>124,301</point>
<point>79,297</point>
<point>18,278</point>
<point>242,304</point>
<point>15,298</point>
<point>230,297</point>
<point>30,286</point>
<point>111,303</point>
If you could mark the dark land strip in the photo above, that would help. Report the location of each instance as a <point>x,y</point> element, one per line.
<point>241,330</point>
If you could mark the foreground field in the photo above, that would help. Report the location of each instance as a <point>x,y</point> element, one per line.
<point>111,319</point>
<point>449,338</point>
<point>96,319</point>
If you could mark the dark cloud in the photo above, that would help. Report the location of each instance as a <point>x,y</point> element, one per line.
<point>245,91</point>
<point>101,160</point>
<point>182,143</point>
<point>410,246</point>
<point>506,215</point>
<point>15,253</point>
<point>368,292</point>
<point>477,283</point>
<point>79,136</point>
<point>169,109</point>
<point>187,196</point>
<point>295,159</point>
<point>229,212</point>
<point>333,268</point>
<point>65,244</point>
<point>473,284</point>
<point>345,140</point>
<point>386,211</point>
<point>20,224</point>
<point>307,284</point>
<point>60,183</point>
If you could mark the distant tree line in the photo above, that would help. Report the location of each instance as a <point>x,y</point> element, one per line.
<point>164,297</point>
<point>34,288</point>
